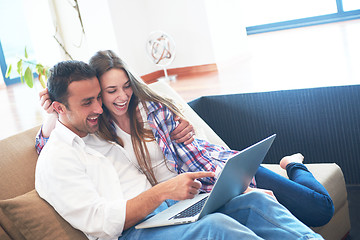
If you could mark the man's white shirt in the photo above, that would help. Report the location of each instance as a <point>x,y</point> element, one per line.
<point>88,181</point>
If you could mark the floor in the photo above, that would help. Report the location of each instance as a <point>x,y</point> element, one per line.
<point>326,55</point>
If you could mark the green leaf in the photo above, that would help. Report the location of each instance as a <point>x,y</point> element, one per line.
<point>8,71</point>
<point>26,54</point>
<point>39,68</point>
<point>29,79</point>
<point>20,67</point>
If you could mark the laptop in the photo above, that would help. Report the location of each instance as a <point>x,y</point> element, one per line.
<point>232,181</point>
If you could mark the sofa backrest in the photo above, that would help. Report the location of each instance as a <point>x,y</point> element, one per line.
<point>17,164</point>
<point>321,123</point>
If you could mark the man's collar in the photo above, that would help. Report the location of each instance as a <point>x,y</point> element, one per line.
<point>67,135</point>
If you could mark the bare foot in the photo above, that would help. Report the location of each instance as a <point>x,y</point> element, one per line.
<point>297,157</point>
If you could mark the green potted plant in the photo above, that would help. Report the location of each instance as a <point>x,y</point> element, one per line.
<point>27,74</point>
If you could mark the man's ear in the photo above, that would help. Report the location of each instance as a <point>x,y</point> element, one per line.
<point>58,107</point>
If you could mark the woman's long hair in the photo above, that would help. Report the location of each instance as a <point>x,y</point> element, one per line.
<point>104,61</point>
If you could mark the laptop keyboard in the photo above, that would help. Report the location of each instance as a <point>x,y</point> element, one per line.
<point>192,210</point>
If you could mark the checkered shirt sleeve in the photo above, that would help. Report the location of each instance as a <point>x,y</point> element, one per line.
<point>40,141</point>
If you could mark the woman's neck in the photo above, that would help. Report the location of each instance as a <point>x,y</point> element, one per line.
<point>123,122</point>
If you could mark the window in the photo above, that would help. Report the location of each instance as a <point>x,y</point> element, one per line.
<point>26,24</point>
<point>271,15</point>
<point>349,5</point>
<point>14,36</point>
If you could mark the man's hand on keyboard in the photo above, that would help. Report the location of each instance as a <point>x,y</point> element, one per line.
<point>185,185</point>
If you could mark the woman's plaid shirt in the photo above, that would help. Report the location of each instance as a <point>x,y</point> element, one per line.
<point>200,155</point>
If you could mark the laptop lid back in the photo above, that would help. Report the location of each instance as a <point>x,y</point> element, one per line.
<point>237,175</point>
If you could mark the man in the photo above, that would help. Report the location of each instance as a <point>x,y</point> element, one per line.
<point>93,185</point>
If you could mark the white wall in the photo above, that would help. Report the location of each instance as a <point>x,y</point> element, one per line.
<point>69,31</point>
<point>204,31</point>
<point>184,20</point>
<point>42,30</point>
<point>99,29</point>
<point>228,31</point>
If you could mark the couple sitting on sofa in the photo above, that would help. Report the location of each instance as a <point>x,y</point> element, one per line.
<point>105,183</point>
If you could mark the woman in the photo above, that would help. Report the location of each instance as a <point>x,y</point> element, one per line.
<point>148,141</point>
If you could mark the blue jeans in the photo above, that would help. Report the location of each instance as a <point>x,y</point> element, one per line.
<point>303,195</point>
<point>253,215</point>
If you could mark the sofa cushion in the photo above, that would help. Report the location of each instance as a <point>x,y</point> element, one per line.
<point>4,235</point>
<point>8,229</point>
<point>36,219</point>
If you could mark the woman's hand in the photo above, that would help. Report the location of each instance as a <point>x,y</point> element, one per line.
<point>45,101</point>
<point>50,121</point>
<point>184,132</point>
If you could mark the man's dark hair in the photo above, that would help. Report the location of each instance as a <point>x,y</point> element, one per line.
<point>64,73</point>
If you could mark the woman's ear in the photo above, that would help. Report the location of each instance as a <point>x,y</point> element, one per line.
<point>58,107</point>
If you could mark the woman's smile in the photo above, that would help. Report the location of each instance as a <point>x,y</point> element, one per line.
<point>120,105</point>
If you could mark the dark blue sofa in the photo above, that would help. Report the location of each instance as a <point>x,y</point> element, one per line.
<point>321,123</point>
